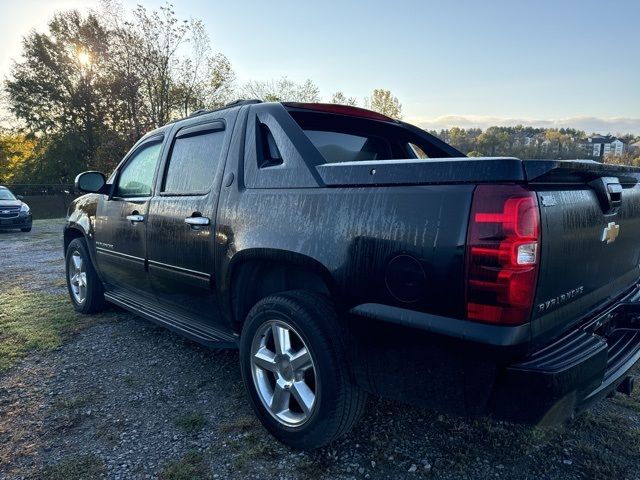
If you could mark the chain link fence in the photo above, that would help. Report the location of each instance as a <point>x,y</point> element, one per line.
<point>40,189</point>
<point>46,200</point>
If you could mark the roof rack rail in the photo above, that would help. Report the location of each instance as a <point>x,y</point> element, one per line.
<point>238,102</point>
<point>204,111</point>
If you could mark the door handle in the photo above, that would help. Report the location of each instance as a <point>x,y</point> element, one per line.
<point>197,221</point>
<point>135,218</point>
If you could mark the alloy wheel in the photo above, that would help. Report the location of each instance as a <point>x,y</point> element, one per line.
<point>77,277</point>
<point>283,373</point>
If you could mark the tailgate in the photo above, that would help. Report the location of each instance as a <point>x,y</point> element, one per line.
<point>590,254</point>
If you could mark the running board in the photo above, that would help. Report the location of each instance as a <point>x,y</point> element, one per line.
<point>177,322</point>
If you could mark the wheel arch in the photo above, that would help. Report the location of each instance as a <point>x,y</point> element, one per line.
<point>75,230</point>
<point>70,234</point>
<point>256,273</point>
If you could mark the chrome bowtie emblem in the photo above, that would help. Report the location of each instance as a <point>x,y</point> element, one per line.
<point>610,232</point>
<point>6,211</point>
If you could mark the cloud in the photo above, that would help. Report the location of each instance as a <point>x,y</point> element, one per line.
<point>603,125</point>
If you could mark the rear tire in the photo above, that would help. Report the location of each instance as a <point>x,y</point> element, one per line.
<point>85,288</point>
<point>303,394</point>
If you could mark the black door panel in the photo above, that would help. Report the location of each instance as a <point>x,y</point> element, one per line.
<point>181,225</point>
<point>121,243</point>
<point>181,255</point>
<point>121,221</point>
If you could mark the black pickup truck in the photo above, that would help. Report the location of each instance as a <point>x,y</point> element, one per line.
<point>346,253</point>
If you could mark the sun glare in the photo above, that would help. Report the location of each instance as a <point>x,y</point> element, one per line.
<point>83,58</point>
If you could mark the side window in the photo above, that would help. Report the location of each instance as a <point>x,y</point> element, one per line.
<point>346,147</point>
<point>194,161</point>
<point>136,179</point>
<point>268,153</point>
<point>419,153</point>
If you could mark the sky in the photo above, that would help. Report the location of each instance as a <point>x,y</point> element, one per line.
<point>552,63</point>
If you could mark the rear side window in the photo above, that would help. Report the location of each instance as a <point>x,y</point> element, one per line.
<point>346,147</point>
<point>417,151</point>
<point>344,138</point>
<point>193,163</point>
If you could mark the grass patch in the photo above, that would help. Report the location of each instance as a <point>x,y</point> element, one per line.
<point>73,403</point>
<point>608,443</point>
<point>110,431</point>
<point>314,467</point>
<point>242,423</point>
<point>33,321</point>
<point>191,422</point>
<point>251,447</point>
<point>191,466</point>
<point>60,283</point>
<point>628,402</point>
<point>78,468</point>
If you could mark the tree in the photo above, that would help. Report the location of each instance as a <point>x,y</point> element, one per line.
<point>208,86</point>
<point>460,139</point>
<point>15,152</point>
<point>491,140</point>
<point>627,158</point>
<point>282,90</point>
<point>93,84</point>
<point>558,141</point>
<point>125,86</point>
<point>341,98</point>
<point>382,101</point>
<point>59,85</point>
<point>203,80</point>
<point>220,82</point>
<point>159,77</point>
<point>158,35</point>
<point>627,138</point>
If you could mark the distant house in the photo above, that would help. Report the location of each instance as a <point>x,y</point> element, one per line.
<point>601,146</point>
<point>520,140</point>
<point>635,147</point>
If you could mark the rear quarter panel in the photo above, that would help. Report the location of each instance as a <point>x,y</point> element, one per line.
<point>354,233</point>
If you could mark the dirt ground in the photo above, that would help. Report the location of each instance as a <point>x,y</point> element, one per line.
<point>114,396</point>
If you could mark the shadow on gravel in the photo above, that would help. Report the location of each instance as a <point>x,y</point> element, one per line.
<point>123,398</point>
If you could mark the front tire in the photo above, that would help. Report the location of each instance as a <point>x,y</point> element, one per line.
<point>294,366</point>
<point>84,285</point>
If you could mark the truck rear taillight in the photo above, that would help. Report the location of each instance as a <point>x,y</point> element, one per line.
<point>502,257</point>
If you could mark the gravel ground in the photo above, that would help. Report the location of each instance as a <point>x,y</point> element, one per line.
<point>34,259</point>
<point>126,399</point>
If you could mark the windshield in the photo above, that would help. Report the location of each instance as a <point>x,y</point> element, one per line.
<point>6,194</point>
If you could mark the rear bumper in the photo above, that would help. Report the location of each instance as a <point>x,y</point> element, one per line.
<point>574,371</point>
<point>482,367</point>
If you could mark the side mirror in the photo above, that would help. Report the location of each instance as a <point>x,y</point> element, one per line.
<point>20,197</point>
<point>90,182</point>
